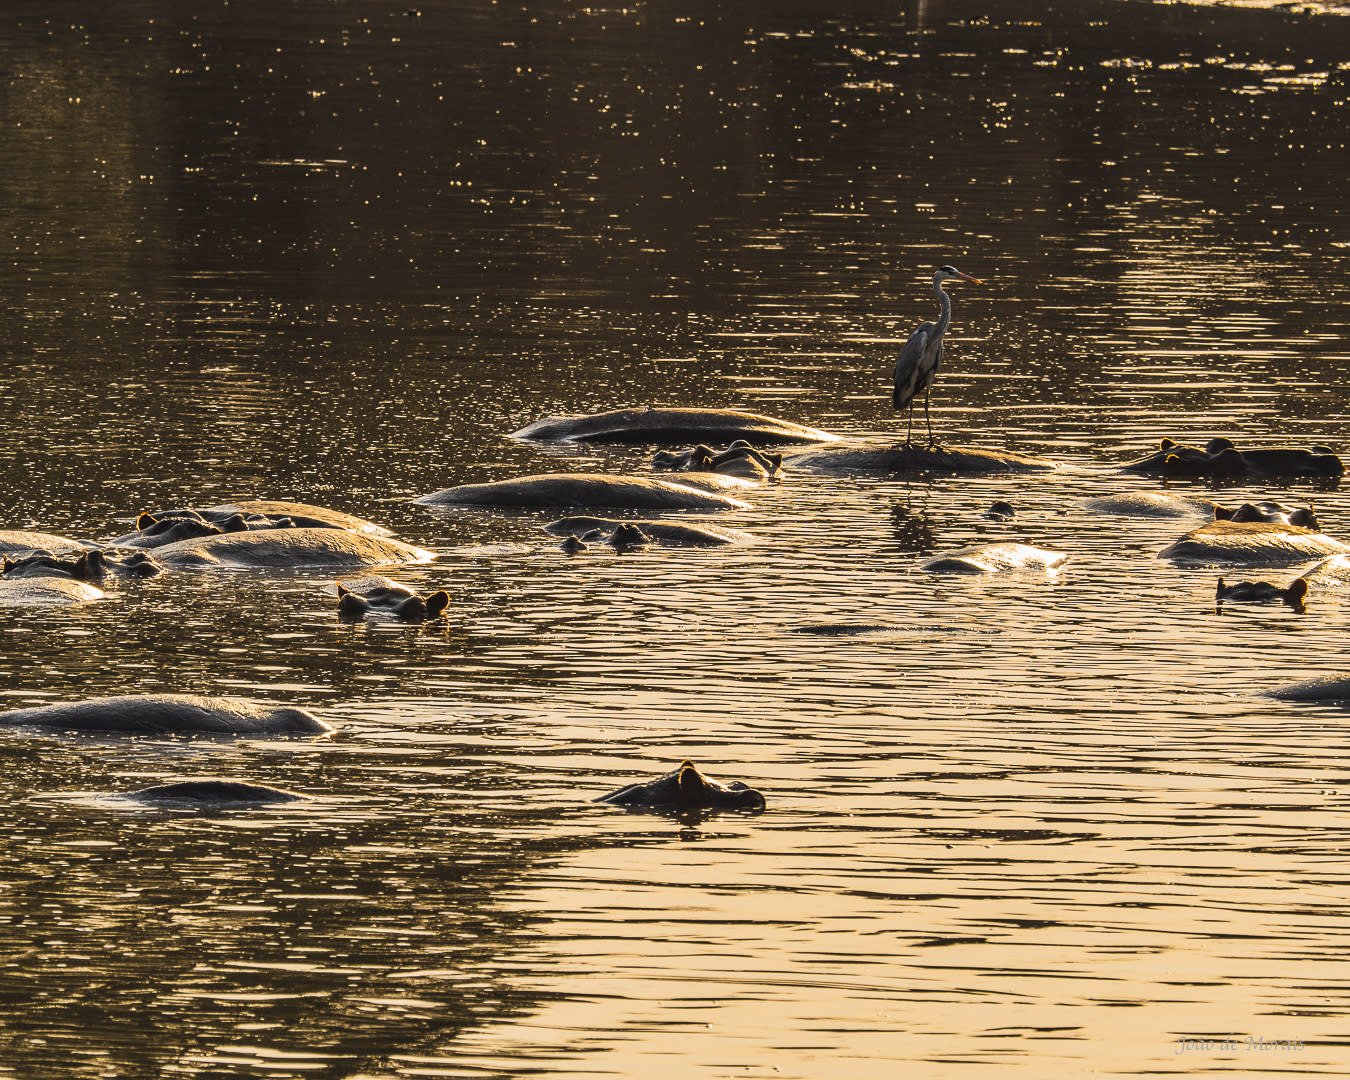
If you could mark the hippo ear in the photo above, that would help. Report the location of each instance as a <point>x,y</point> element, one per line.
<point>436,603</point>
<point>1167,444</point>
<point>342,591</point>
<point>145,521</point>
<point>1222,513</point>
<point>1298,589</point>
<point>1218,590</point>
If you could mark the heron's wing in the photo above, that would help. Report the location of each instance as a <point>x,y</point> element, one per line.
<point>909,367</point>
<point>930,365</point>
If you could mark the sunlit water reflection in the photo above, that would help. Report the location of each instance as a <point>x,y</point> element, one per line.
<point>1039,823</point>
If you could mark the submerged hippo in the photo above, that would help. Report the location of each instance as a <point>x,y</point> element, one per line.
<point>379,596</point>
<point>212,795</point>
<point>1252,542</point>
<point>46,591</point>
<point>936,460</point>
<point>290,549</point>
<point>996,559</point>
<point>739,459</point>
<point>584,489</point>
<point>24,542</point>
<point>92,565</point>
<point>1153,504</point>
<point>686,789</point>
<point>166,714</point>
<point>679,533</point>
<point>1221,459</point>
<point>652,425</point>
<point>1258,592</point>
<point>1272,513</point>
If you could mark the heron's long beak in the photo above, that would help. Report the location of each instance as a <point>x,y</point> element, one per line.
<point>967,277</point>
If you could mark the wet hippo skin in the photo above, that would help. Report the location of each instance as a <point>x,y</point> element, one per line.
<point>168,714</point>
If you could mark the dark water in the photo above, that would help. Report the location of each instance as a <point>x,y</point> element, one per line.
<point>1041,825</point>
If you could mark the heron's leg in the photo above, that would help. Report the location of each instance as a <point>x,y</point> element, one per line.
<point>928,419</point>
<point>909,431</point>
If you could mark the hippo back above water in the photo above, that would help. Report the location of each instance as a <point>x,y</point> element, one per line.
<point>653,425</point>
<point>290,549</point>
<point>163,714</point>
<point>1252,543</point>
<point>46,592</point>
<point>209,794</point>
<point>996,559</point>
<point>24,542</point>
<point>584,489</point>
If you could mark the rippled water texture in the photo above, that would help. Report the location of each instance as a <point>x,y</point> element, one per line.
<point>1038,825</point>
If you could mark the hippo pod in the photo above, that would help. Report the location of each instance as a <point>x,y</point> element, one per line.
<point>934,460</point>
<point>1272,513</point>
<point>289,549</point>
<point>24,542</point>
<point>599,529</point>
<point>653,425</point>
<point>685,788</point>
<point>738,459</point>
<point>46,592</point>
<point>1221,459</point>
<point>211,795</point>
<point>379,596</point>
<point>92,565</point>
<point>1259,592</point>
<point>584,489</point>
<point>1252,542</point>
<point>996,559</point>
<point>167,714</point>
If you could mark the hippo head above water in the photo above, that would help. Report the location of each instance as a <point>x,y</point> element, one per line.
<point>738,459</point>
<point>92,565</point>
<point>379,596</point>
<point>1221,459</point>
<point>1271,513</point>
<point>685,788</point>
<point>1261,592</point>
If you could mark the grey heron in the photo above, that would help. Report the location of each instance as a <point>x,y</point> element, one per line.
<point>922,354</point>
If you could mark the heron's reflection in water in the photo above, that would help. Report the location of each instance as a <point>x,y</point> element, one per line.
<point>913,529</point>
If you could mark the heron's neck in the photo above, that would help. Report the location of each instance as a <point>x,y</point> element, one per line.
<point>945,319</point>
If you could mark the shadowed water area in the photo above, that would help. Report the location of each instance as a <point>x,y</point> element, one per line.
<point>1037,823</point>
